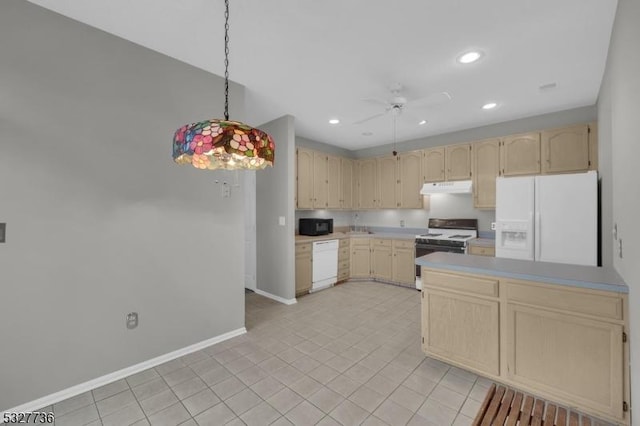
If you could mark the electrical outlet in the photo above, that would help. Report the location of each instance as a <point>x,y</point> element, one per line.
<point>402,224</point>
<point>132,320</point>
<point>226,190</point>
<point>493,226</point>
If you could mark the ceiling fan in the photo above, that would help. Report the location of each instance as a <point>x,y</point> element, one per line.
<point>397,103</point>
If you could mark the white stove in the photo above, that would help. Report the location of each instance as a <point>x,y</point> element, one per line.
<point>449,235</point>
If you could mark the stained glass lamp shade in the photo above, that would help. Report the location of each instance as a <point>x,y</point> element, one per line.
<point>223,144</point>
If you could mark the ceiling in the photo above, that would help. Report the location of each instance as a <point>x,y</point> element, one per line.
<point>318,60</point>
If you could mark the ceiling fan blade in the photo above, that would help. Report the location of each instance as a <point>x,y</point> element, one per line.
<point>376,101</point>
<point>429,101</point>
<point>364,120</point>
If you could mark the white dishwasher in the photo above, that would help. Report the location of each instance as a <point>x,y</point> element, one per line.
<point>325,264</point>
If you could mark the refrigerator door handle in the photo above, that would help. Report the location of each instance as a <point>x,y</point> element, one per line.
<point>538,240</point>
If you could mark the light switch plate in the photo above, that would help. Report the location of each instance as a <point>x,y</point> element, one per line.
<point>281,221</point>
<point>3,231</point>
<point>493,226</point>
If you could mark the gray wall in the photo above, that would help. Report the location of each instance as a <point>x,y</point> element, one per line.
<point>275,272</point>
<point>619,106</point>
<point>319,146</point>
<point>100,221</point>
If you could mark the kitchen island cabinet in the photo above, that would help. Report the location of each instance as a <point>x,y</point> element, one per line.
<point>555,330</point>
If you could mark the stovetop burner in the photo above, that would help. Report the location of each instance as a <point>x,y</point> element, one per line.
<point>430,234</point>
<point>460,236</point>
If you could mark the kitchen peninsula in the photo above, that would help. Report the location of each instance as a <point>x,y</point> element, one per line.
<point>555,330</point>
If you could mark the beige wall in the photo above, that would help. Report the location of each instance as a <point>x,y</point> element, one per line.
<point>619,110</point>
<point>100,221</point>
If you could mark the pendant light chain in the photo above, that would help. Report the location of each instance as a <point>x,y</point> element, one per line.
<point>226,60</point>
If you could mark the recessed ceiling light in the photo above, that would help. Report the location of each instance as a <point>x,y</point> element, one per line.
<point>334,121</point>
<point>469,57</point>
<point>367,133</point>
<point>422,122</point>
<point>490,105</point>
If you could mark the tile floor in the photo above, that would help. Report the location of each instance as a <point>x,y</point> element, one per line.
<point>348,355</point>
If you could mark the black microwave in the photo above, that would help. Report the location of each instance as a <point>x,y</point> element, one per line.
<point>315,226</point>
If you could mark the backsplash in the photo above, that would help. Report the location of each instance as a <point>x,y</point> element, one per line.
<point>442,206</point>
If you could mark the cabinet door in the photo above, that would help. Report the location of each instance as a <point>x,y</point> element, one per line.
<point>433,165</point>
<point>565,150</point>
<point>381,262</point>
<point>577,358</point>
<point>486,167</point>
<point>303,272</point>
<point>458,162</point>
<point>520,154</point>
<point>367,183</point>
<point>410,180</point>
<point>404,268</point>
<point>387,180</point>
<point>346,177</point>
<point>320,180</point>
<point>304,178</point>
<point>593,146</point>
<point>334,184</point>
<point>461,328</point>
<point>360,261</point>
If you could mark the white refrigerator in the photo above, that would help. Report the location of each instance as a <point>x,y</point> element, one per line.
<point>550,218</point>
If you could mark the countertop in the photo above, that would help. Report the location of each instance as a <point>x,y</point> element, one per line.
<point>340,235</point>
<point>592,277</point>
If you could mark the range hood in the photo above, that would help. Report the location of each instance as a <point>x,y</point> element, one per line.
<point>454,187</point>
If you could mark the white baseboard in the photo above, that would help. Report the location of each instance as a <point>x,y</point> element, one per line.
<point>117,375</point>
<point>276,298</point>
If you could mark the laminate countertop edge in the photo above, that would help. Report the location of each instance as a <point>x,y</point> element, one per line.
<point>592,277</point>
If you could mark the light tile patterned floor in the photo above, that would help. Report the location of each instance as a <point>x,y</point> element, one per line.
<point>348,355</point>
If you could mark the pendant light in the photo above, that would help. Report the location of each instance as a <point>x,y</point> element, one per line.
<point>223,144</point>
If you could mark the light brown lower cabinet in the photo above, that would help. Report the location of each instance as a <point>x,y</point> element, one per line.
<point>381,259</point>
<point>404,268</point>
<point>563,343</point>
<point>360,258</point>
<point>303,268</point>
<point>482,251</point>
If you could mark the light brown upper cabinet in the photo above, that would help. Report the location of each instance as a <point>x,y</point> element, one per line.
<point>486,168</point>
<point>520,154</point>
<point>346,177</point>
<point>433,165</point>
<point>367,183</point>
<point>320,180</point>
<point>593,146</point>
<point>304,166</point>
<point>565,150</point>
<point>409,180</point>
<point>387,178</point>
<point>458,162</point>
<point>334,184</point>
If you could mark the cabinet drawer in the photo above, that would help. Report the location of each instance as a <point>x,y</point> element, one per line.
<point>343,274</point>
<point>303,248</point>
<point>404,244</point>
<point>380,242</point>
<point>482,251</point>
<point>574,300</point>
<point>360,241</point>
<point>344,242</point>
<point>343,264</point>
<point>343,253</point>
<point>460,282</point>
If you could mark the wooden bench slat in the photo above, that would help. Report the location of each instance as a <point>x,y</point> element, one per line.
<point>504,408</point>
<point>493,407</point>
<point>550,415</point>
<point>586,421</point>
<point>484,406</point>
<point>525,415</point>
<point>538,409</point>
<point>562,417</point>
<point>573,419</point>
<point>514,413</point>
